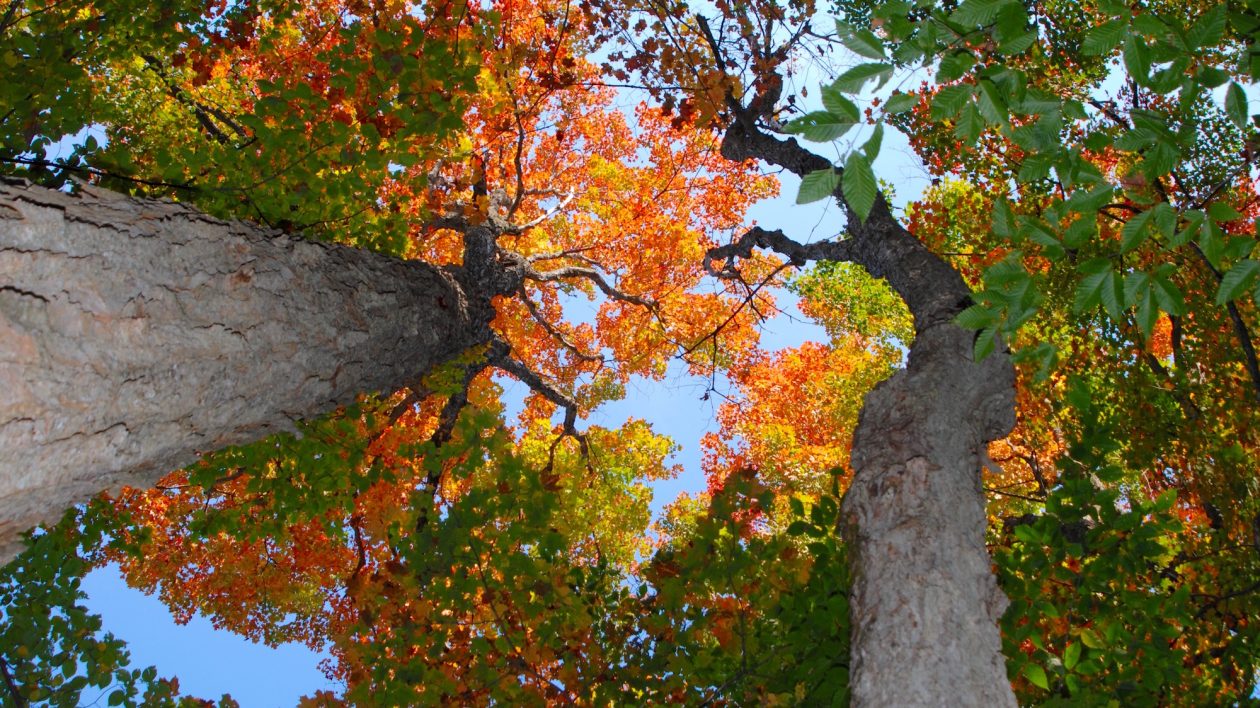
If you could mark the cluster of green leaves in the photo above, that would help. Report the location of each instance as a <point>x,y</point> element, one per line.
<point>1096,607</point>
<point>752,616</point>
<point>1175,63</point>
<point>47,92</point>
<point>312,474</point>
<point>856,303</point>
<point>52,649</point>
<point>839,114</point>
<point>299,121</point>
<point>1177,134</point>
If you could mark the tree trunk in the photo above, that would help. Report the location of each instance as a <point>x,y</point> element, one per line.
<point>136,333</point>
<point>924,603</point>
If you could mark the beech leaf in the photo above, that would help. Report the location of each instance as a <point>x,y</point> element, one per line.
<point>816,185</point>
<point>859,185</point>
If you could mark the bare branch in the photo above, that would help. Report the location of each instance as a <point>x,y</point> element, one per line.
<point>797,253</point>
<point>555,333</point>
<point>521,228</point>
<point>595,277</point>
<point>549,392</point>
<point>574,253</point>
<point>18,699</point>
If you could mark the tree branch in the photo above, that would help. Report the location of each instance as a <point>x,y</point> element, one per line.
<point>19,700</point>
<point>555,333</point>
<point>1240,327</point>
<point>592,275</point>
<point>549,392</point>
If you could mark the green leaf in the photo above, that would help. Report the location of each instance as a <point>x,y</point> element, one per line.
<point>819,126</point>
<point>954,66</point>
<point>1194,222</point>
<point>1089,289</point>
<point>1080,232</point>
<point>975,317</point>
<point>1041,234</point>
<point>949,100</point>
<point>1168,295</point>
<point>1236,105</point>
<point>1071,655</point>
<point>1012,23</point>
<point>1091,639</point>
<point>973,13</point>
<point>1209,29</point>
<point>1222,212</point>
<point>1003,218</point>
<point>860,41</point>
<point>1035,167</point>
<point>901,102</point>
<point>853,80</point>
<point>871,148</point>
<point>1212,241</point>
<point>1147,311</point>
<point>816,185</point>
<point>986,342</point>
<point>1037,676</point>
<point>1135,284</point>
<point>797,528</point>
<point>992,106</point>
<point>1236,280</point>
<point>838,105</point>
<point>1137,59</point>
<point>1165,219</point>
<point>1104,37</point>
<point>1134,232</point>
<point>859,184</point>
<point>1212,76</point>
<point>1112,295</point>
<point>969,125</point>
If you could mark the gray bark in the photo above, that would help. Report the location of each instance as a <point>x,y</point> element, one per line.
<point>135,334</point>
<point>924,603</point>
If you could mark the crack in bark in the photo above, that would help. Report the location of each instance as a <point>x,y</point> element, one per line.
<point>22,293</point>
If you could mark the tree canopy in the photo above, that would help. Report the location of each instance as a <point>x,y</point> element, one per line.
<point>1063,325</point>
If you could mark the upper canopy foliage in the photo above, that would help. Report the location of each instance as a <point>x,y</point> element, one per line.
<point>1097,187</point>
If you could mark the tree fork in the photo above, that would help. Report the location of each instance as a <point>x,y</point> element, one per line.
<point>135,334</point>
<point>924,603</point>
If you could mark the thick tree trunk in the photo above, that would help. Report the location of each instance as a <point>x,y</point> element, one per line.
<point>136,333</point>
<point>924,603</point>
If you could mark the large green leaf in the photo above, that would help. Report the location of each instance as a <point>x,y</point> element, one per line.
<point>973,13</point>
<point>853,80</point>
<point>1236,280</point>
<point>1236,105</point>
<point>816,185</point>
<point>1104,37</point>
<point>838,105</point>
<point>859,184</point>
<point>949,100</point>
<point>860,41</point>
<point>820,126</point>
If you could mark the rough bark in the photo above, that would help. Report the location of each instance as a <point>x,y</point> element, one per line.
<point>136,333</point>
<point>924,603</point>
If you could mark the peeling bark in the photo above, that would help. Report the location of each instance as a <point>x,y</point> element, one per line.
<point>924,603</point>
<point>135,334</point>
